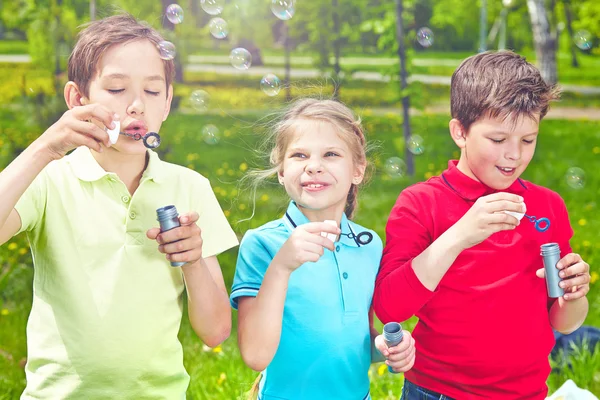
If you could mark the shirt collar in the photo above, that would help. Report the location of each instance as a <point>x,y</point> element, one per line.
<point>470,189</point>
<point>293,217</point>
<point>86,168</point>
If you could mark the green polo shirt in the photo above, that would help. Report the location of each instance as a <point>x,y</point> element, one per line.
<point>107,306</point>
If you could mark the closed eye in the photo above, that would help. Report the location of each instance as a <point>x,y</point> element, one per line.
<point>152,93</point>
<point>529,141</point>
<point>497,140</point>
<point>115,91</point>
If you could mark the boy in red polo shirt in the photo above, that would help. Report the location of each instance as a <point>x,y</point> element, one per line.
<point>467,269</point>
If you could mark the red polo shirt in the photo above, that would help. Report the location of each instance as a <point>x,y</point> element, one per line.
<point>484,333</point>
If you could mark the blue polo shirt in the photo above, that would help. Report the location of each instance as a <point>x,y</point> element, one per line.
<point>325,346</point>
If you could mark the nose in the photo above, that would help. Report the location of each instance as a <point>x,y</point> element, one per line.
<point>513,152</point>
<point>314,166</point>
<point>136,107</point>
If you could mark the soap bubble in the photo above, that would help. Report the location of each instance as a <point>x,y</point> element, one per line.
<point>425,37</point>
<point>218,28</point>
<point>575,178</point>
<point>583,39</point>
<point>211,134</point>
<point>199,99</point>
<point>415,144</point>
<point>395,167</point>
<point>283,9</point>
<point>175,14</point>
<point>240,58</point>
<point>167,50</point>
<point>270,85</point>
<point>212,7</point>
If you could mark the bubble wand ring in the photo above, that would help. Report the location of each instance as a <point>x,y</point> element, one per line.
<point>151,139</point>
<point>541,224</point>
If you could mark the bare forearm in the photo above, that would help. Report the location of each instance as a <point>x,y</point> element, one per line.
<point>567,316</point>
<point>260,324</point>
<point>432,264</point>
<point>19,174</point>
<point>208,305</point>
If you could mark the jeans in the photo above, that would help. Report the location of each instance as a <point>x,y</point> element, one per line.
<point>410,391</point>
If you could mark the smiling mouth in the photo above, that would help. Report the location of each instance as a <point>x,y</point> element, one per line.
<point>506,171</point>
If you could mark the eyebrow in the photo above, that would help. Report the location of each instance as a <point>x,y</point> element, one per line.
<point>508,133</point>
<point>123,76</point>
<point>325,149</point>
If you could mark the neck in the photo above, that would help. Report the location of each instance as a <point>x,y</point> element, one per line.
<point>128,167</point>
<point>333,213</point>
<point>463,166</point>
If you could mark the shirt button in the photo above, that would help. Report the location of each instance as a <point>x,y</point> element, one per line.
<point>345,275</point>
<point>125,199</point>
<point>337,248</point>
<point>132,215</point>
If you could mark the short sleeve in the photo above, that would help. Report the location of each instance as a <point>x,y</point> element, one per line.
<point>217,235</point>
<point>32,204</point>
<point>252,263</point>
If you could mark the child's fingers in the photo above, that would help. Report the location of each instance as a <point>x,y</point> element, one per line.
<point>579,293</point>
<point>321,241</point>
<point>407,339</point>
<point>541,273</point>
<point>381,346</point>
<point>403,364</point>
<point>578,268</point>
<point>318,227</point>
<point>181,245</point>
<point>186,257</point>
<point>569,259</point>
<point>179,233</point>
<point>96,111</point>
<point>575,281</point>
<point>189,218</point>
<point>152,233</point>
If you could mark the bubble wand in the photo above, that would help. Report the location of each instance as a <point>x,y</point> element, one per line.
<point>151,139</point>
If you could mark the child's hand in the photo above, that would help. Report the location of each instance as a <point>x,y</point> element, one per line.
<point>305,244</point>
<point>400,357</point>
<point>575,274</point>
<point>79,127</point>
<point>181,244</point>
<point>487,216</point>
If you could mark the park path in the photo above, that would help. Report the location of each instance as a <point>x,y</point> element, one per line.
<point>219,65</point>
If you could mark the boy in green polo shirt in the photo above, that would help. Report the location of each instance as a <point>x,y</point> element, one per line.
<point>107,305</point>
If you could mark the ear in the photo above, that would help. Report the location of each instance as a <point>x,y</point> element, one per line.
<point>458,133</point>
<point>359,174</point>
<point>168,104</point>
<point>280,176</point>
<point>74,97</point>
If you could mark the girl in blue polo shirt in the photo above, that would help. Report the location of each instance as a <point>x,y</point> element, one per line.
<point>303,286</point>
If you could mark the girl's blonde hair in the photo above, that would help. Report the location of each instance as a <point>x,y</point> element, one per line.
<point>333,112</point>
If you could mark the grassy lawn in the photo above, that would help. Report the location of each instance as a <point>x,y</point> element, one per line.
<point>14,47</point>
<point>219,373</point>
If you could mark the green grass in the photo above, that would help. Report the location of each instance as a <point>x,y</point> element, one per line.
<point>14,47</point>
<point>221,374</point>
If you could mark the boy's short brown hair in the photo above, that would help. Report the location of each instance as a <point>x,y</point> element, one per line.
<point>99,36</point>
<point>498,84</point>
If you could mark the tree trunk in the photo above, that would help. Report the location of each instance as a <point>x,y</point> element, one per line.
<point>544,41</point>
<point>288,67</point>
<point>569,20</point>
<point>336,49</point>
<point>408,157</point>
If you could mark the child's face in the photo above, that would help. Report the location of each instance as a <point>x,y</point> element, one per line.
<point>318,168</point>
<point>496,152</point>
<point>131,82</point>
